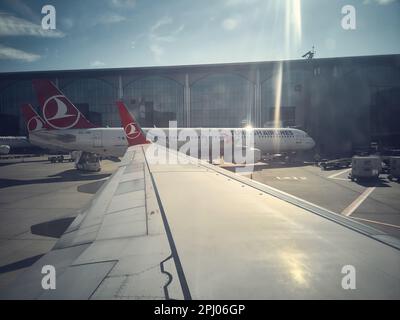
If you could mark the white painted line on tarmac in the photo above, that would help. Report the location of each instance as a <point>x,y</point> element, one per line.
<point>343,179</point>
<point>333,176</point>
<point>356,203</point>
<point>291,178</point>
<point>377,222</point>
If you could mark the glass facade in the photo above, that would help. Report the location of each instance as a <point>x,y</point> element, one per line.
<point>222,100</point>
<point>343,103</point>
<point>95,98</point>
<point>155,100</point>
<point>12,96</point>
<point>292,97</point>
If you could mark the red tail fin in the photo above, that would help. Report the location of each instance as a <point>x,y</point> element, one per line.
<point>132,129</point>
<point>33,121</point>
<point>58,111</point>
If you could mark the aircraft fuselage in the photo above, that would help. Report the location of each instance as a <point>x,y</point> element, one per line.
<point>112,141</point>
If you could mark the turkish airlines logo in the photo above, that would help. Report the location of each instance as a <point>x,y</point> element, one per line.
<point>59,113</point>
<point>131,132</point>
<point>35,124</point>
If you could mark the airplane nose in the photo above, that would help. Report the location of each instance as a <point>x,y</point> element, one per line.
<point>312,143</point>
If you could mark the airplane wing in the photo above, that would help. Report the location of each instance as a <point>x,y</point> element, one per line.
<point>189,230</point>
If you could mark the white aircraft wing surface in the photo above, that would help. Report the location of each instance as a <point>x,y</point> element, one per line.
<point>193,231</point>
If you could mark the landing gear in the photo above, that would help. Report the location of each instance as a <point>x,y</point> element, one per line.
<point>86,161</point>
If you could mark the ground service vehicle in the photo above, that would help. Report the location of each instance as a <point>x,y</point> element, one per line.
<point>394,169</point>
<point>367,167</point>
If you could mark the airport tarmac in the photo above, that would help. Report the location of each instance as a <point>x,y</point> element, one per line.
<point>376,204</point>
<point>38,201</point>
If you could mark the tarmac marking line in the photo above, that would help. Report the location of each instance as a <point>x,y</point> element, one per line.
<point>356,203</point>
<point>333,176</point>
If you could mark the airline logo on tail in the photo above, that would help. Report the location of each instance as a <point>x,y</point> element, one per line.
<point>33,121</point>
<point>35,124</point>
<point>58,111</point>
<point>132,130</point>
<point>59,114</point>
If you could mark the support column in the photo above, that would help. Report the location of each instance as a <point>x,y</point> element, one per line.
<point>120,91</point>
<point>257,113</point>
<point>186,101</point>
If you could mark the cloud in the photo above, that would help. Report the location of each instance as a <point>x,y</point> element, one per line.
<point>123,3</point>
<point>67,23</point>
<point>162,22</point>
<point>157,51</point>
<point>158,32</point>
<point>8,53</point>
<point>162,32</point>
<point>97,64</point>
<point>23,10</point>
<point>14,26</point>
<point>230,24</point>
<point>138,39</point>
<point>380,2</point>
<point>109,18</point>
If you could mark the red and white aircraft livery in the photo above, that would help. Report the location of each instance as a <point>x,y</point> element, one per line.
<point>58,111</point>
<point>33,121</point>
<point>68,128</point>
<point>133,132</point>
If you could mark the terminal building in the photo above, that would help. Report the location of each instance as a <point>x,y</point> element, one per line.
<point>343,103</point>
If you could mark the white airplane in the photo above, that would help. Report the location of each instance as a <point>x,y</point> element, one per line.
<point>34,123</point>
<point>66,126</point>
<point>13,142</point>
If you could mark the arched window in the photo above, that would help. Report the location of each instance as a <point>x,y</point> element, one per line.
<point>292,99</point>
<point>155,101</point>
<point>95,98</point>
<point>11,99</point>
<point>14,95</point>
<point>221,100</point>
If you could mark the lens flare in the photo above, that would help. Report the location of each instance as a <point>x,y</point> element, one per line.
<point>294,10</point>
<point>278,96</point>
<point>292,41</point>
<point>296,265</point>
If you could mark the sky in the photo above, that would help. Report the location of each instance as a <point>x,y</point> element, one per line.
<point>135,33</point>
